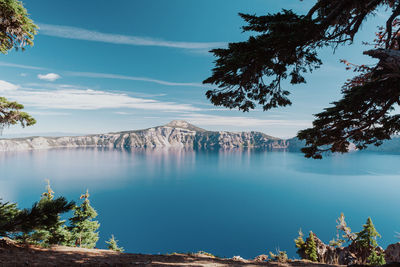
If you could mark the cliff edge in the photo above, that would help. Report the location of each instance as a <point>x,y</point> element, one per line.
<point>176,134</point>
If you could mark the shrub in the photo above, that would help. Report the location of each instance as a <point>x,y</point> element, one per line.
<point>280,256</point>
<point>113,245</point>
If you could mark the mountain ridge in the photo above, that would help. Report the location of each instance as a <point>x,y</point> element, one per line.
<point>175,134</point>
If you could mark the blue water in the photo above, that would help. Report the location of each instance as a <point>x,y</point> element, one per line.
<point>226,203</point>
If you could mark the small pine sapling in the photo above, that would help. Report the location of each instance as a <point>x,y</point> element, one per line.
<point>376,259</point>
<point>113,244</point>
<point>300,245</point>
<point>311,248</point>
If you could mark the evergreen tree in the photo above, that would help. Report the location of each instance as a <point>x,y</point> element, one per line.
<point>17,30</point>
<point>113,244</point>
<point>8,214</point>
<point>300,244</point>
<point>366,242</point>
<point>311,248</point>
<point>53,234</point>
<point>83,228</point>
<point>299,241</point>
<point>11,114</point>
<point>14,222</point>
<point>367,237</point>
<point>285,46</point>
<point>376,260</point>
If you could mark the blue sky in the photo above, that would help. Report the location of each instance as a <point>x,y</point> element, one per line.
<point>99,66</point>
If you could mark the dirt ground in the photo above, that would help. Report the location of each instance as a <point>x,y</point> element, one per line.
<point>13,254</point>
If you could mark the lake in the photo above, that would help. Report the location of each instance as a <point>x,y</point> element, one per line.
<point>224,202</point>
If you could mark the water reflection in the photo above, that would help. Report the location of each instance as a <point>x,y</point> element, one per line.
<point>227,202</point>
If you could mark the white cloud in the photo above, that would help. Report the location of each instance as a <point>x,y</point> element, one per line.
<point>85,99</point>
<point>6,86</point>
<point>89,35</point>
<point>131,78</point>
<point>51,77</point>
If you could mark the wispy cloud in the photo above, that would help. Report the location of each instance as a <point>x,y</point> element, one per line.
<point>53,86</point>
<point>51,77</point>
<point>105,76</point>
<point>85,99</point>
<point>6,86</point>
<point>48,113</point>
<point>96,36</point>
<point>12,65</point>
<point>131,78</point>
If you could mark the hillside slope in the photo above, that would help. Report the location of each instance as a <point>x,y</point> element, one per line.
<point>176,134</point>
<point>13,254</point>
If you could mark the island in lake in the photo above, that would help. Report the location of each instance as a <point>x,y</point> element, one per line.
<point>176,134</point>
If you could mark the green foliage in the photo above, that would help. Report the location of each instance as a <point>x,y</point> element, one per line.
<point>14,222</point>
<point>285,46</point>
<point>83,228</point>
<point>362,117</point>
<point>11,114</point>
<point>311,248</point>
<point>16,28</point>
<point>376,260</point>
<point>300,245</point>
<point>367,244</point>
<point>42,224</point>
<point>280,256</point>
<point>299,241</point>
<point>47,235</point>
<point>8,217</point>
<point>362,245</point>
<point>113,245</point>
<point>243,68</point>
<point>367,237</point>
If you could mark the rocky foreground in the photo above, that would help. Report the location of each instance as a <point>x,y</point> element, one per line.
<point>176,134</point>
<point>18,254</point>
<point>14,254</point>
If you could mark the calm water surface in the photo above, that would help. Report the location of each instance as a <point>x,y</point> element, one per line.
<point>226,203</point>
